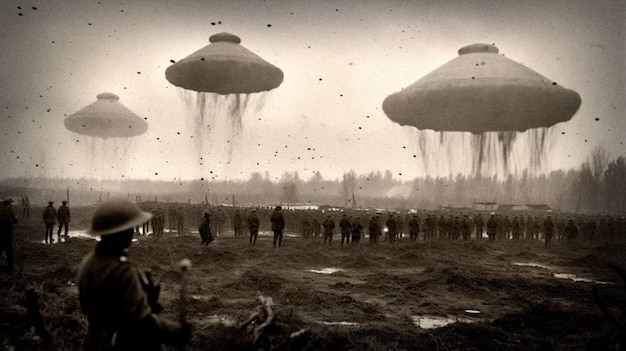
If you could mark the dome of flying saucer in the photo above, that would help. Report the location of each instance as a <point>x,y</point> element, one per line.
<point>105,118</point>
<point>482,91</point>
<point>224,67</point>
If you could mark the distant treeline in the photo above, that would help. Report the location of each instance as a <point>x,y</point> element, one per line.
<point>597,186</point>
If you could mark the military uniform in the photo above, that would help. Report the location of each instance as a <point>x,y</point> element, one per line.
<point>492,228</point>
<point>49,218</point>
<point>548,230</point>
<point>7,220</point>
<point>392,228</point>
<point>374,230</point>
<point>205,229</point>
<point>113,294</point>
<point>63,216</point>
<point>329,228</point>
<point>357,231</point>
<point>346,226</point>
<point>278,225</point>
<point>414,228</point>
<point>253,226</point>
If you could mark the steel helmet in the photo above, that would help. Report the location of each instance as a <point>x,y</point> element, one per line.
<point>115,216</point>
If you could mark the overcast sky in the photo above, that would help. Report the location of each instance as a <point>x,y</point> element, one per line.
<point>340,60</point>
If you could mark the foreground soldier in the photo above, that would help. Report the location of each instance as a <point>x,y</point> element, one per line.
<point>49,218</point>
<point>63,216</point>
<point>7,220</point>
<point>392,228</point>
<point>374,229</point>
<point>120,303</point>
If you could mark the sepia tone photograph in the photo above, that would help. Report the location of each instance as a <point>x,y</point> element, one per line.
<point>312,175</point>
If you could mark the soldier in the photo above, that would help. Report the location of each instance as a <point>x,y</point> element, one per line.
<point>329,228</point>
<point>7,220</point>
<point>441,227</point>
<point>315,224</point>
<point>180,221</point>
<point>357,231</point>
<point>479,226</point>
<point>571,230</point>
<point>278,225</point>
<point>506,227</point>
<point>466,227</point>
<point>346,226</point>
<point>374,229</point>
<point>492,227</point>
<point>253,227</point>
<point>414,228</point>
<point>120,303</point>
<point>392,228</point>
<point>238,224</point>
<point>25,208</point>
<point>515,228</point>
<point>548,230</point>
<point>63,216</point>
<point>49,218</point>
<point>205,228</point>
<point>529,227</point>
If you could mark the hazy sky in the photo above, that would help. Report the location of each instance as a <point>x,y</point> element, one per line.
<point>340,60</point>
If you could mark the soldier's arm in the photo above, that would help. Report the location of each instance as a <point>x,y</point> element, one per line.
<point>138,311</point>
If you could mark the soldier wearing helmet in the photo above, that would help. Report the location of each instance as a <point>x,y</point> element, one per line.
<point>121,304</point>
<point>278,225</point>
<point>49,218</point>
<point>63,216</point>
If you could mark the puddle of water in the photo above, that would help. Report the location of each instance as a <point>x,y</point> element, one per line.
<point>326,270</point>
<point>472,311</point>
<point>342,323</point>
<point>578,279</point>
<point>532,264</point>
<point>432,322</point>
<point>220,319</point>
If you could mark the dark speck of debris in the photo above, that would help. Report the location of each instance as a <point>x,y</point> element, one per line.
<point>269,25</point>
<point>553,83</point>
<point>597,119</point>
<point>172,61</point>
<point>563,133</point>
<point>34,8</point>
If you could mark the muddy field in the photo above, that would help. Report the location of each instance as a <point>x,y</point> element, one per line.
<point>444,295</point>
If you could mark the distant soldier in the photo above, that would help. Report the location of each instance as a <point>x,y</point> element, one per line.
<point>329,228</point>
<point>506,227</point>
<point>441,228</point>
<point>238,224</point>
<point>25,208</point>
<point>205,228</point>
<point>429,225</point>
<point>516,228</point>
<point>414,228</point>
<point>455,228</point>
<point>63,216</point>
<point>374,229</point>
<point>278,225</point>
<point>49,218</point>
<point>571,230</point>
<point>536,228</point>
<point>346,226</point>
<point>560,228</point>
<point>466,227</point>
<point>492,227</point>
<point>172,218</point>
<point>529,227</point>
<point>7,220</point>
<point>357,231</point>
<point>305,226</point>
<point>253,227</point>
<point>316,226</point>
<point>392,228</point>
<point>479,226</point>
<point>180,221</point>
<point>121,304</point>
<point>548,230</point>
